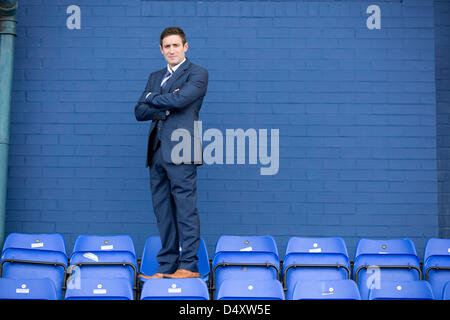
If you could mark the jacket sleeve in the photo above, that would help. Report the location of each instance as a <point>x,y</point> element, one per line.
<point>193,89</point>
<point>144,111</point>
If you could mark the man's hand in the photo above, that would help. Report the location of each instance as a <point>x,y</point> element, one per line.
<point>176,90</point>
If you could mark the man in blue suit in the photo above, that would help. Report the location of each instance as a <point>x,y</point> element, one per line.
<point>172,99</point>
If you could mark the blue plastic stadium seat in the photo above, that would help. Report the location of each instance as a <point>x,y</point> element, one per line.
<point>245,257</point>
<point>384,260</point>
<point>27,289</point>
<point>446,291</point>
<point>35,256</point>
<point>402,290</point>
<point>100,289</point>
<point>436,266</point>
<point>175,289</point>
<point>325,290</point>
<point>250,290</point>
<point>149,264</point>
<point>315,259</point>
<point>105,257</point>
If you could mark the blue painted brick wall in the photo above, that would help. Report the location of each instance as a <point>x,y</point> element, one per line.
<point>355,109</point>
<point>442,33</point>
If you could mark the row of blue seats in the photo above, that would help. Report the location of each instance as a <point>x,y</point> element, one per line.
<point>237,260</point>
<point>345,289</point>
<point>378,264</point>
<point>196,289</point>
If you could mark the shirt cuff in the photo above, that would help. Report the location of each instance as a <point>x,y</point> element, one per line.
<point>148,94</point>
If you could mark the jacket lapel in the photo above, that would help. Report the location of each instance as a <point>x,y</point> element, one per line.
<point>160,78</point>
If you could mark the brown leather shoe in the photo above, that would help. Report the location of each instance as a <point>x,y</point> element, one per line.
<point>155,276</point>
<point>182,273</point>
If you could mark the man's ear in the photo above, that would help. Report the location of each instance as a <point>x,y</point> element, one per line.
<point>186,46</point>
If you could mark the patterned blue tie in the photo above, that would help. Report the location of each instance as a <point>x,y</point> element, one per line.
<point>166,77</point>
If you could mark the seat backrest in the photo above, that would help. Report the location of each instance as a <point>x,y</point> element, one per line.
<point>316,251</point>
<point>386,252</point>
<point>175,289</point>
<point>93,243</point>
<point>437,248</point>
<point>325,290</point>
<point>27,289</point>
<point>387,247</point>
<point>250,290</point>
<point>402,290</point>
<point>27,246</point>
<point>264,244</point>
<point>99,289</point>
<point>331,245</point>
<point>149,264</point>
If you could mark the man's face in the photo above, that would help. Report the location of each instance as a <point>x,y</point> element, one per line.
<point>173,49</point>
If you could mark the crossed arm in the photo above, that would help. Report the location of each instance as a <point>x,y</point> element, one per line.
<point>144,111</point>
<point>153,106</point>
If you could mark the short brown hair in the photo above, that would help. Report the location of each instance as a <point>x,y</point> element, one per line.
<point>171,31</point>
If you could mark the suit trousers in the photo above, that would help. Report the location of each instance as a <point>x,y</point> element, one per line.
<point>174,197</point>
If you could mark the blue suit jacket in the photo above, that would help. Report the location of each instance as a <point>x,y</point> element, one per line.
<point>184,106</point>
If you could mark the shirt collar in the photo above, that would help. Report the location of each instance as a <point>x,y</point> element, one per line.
<point>171,70</point>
